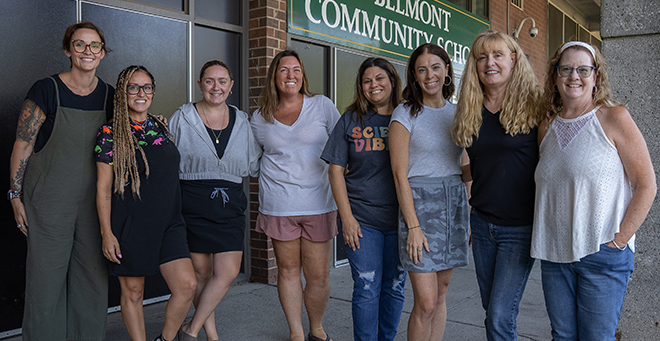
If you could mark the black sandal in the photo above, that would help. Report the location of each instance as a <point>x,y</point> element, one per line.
<point>311,337</point>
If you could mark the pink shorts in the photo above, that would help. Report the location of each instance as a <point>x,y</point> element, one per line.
<point>316,228</point>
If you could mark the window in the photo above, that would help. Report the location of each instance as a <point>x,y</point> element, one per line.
<point>317,68</point>
<point>141,49</point>
<point>517,3</point>
<point>228,12</point>
<point>173,4</point>
<point>478,7</point>
<point>563,28</point>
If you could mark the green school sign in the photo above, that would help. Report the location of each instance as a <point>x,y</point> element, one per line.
<point>393,28</point>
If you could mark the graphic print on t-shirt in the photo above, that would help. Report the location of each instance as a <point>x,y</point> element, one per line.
<point>370,138</point>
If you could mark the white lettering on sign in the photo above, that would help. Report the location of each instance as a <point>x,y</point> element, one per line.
<point>336,14</point>
<point>324,13</point>
<point>347,19</point>
<point>418,10</point>
<point>308,12</point>
<point>371,28</point>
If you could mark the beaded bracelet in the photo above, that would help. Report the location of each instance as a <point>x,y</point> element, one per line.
<point>618,247</point>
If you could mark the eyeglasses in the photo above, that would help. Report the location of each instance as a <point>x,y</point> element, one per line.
<point>134,89</point>
<point>80,46</point>
<point>583,71</point>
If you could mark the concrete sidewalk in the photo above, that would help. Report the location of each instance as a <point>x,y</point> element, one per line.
<point>251,311</point>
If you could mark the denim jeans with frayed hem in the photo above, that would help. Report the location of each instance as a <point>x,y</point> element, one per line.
<point>378,285</point>
<point>584,298</point>
<point>502,262</point>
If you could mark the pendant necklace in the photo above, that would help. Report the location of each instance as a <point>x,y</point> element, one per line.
<point>217,137</point>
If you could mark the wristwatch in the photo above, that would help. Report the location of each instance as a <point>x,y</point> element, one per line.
<point>12,194</point>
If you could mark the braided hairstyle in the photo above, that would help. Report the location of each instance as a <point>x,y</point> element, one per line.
<point>124,141</point>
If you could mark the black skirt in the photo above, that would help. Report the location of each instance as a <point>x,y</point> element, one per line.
<point>214,212</point>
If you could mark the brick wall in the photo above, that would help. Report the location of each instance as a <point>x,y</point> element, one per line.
<point>535,47</point>
<point>267,38</point>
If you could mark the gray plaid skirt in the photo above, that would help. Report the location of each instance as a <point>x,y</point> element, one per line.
<point>442,209</point>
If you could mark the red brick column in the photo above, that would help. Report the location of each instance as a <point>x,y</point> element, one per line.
<point>535,47</point>
<point>267,38</point>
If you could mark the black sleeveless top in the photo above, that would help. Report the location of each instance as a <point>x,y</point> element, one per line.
<point>502,168</point>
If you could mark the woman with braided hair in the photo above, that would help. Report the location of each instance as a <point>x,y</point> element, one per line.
<point>139,205</point>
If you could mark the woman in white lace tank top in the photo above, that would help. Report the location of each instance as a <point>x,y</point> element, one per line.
<point>594,187</point>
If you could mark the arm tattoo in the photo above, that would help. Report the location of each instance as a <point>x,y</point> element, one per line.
<point>17,180</point>
<point>29,122</point>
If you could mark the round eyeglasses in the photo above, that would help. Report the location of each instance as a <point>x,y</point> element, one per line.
<point>134,89</point>
<point>583,71</point>
<point>80,46</point>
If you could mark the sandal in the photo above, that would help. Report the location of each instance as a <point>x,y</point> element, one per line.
<point>311,337</point>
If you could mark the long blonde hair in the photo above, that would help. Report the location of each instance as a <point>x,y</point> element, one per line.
<point>124,141</point>
<point>520,112</point>
<point>270,96</point>
<point>552,103</point>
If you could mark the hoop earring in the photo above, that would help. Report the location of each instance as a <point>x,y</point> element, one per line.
<point>554,87</point>
<point>445,82</point>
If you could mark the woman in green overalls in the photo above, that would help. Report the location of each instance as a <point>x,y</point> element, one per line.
<point>139,205</point>
<point>52,193</point>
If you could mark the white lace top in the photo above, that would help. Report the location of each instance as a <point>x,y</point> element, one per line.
<point>582,191</point>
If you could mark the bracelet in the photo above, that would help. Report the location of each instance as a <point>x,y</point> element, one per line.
<point>412,228</point>
<point>619,247</point>
<point>13,194</point>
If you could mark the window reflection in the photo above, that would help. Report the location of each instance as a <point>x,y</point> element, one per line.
<point>173,4</point>
<point>227,11</point>
<point>315,59</point>
<point>167,62</point>
<point>225,46</point>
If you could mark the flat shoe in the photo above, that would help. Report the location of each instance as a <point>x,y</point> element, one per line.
<point>183,336</point>
<point>311,337</point>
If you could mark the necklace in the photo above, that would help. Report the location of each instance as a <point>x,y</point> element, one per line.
<point>217,137</point>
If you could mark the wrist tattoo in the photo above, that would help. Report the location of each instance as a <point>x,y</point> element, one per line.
<point>17,180</point>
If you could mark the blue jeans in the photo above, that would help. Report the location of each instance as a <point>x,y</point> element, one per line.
<point>378,281</point>
<point>584,298</point>
<point>502,262</point>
